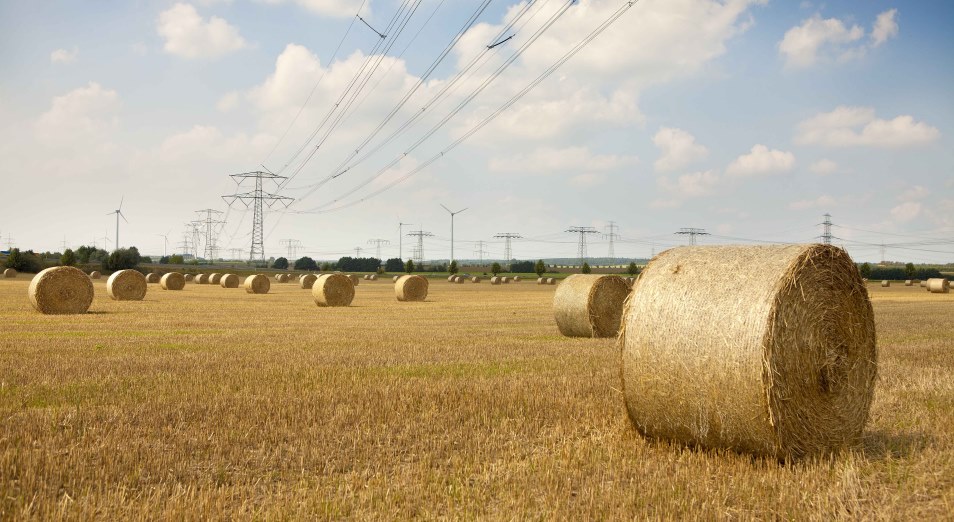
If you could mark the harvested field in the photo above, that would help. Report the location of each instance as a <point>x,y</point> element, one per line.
<point>171,408</point>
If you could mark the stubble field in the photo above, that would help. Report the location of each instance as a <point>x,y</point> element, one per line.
<point>213,403</point>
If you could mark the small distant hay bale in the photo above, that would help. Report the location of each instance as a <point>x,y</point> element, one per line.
<point>126,285</point>
<point>590,305</point>
<point>9,273</point>
<point>937,285</point>
<point>768,350</point>
<point>307,281</point>
<point>411,288</point>
<point>215,278</point>
<point>924,283</point>
<point>230,281</point>
<point>450,278</point>
<point>630,280</point>
<point>172,281</point>
<point>495,280</point>
<point>201,279</point>
<point>475,279</point>
<point>395,278</point>
<point>908,282</point>
<point>153,277</point>
<point>541,280</point>
<point>333,290</point>
<point>373,277</point>
<point>354,279</point>
<point>95,275</point>
<point>885,283</point>
<point>257,284</point>
<point>505,280</point>
<point>516,279</point>
<point>459,279</point>
<point>366,277</point>
<point>189,277</point>
<point>61,290</point>
<point>551,281</point>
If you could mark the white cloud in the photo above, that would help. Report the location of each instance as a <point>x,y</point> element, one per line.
<point>187,35</point>
<point>823,167</point>
<point>64,56</point>
<point>761,160</point>
<point>589,179</point>
<point>823,201</point>
<point>81,114</point>
<point>840,128</point>
<point>691,185</point>
<point>550,159</point>
<point>914,193</point>
<point>228,101</point>
<point>679,149</point>
<point>885,27</point>
<point>339,8</point>
<point>906,211</point>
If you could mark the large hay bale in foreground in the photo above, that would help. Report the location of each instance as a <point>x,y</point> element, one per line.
<point>172,281</point>
<point>333,290</point>
<point>307,281</point>
<point>230,281</point>
<point>95,274</point>
<point>61,290</point>
<point>885,283</point>
<point>257,284</point>
<point>215,278</point>
<point>9,273</point>
<point>938,285</point>
<point>496,280</point>
<point>761,349</point>
<point>126,285</point>
<point>411,288</point>
<point>590,305</point>
<point>189,277</point>
<point>201,279</point>
<point>153,277</point>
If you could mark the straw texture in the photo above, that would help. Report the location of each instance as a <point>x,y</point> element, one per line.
<point>908,282</point>
<point>411,288</point>
<point>551,281</point>
<point>541,280</point>
<point>230,281</point>
<point>333,290</point>
<point>475,279</point>
<point>95,275</point>
<point>9,273</point>
<point>938,286</point>
<point>189,277</point>
<point>590,305</point>
<point>761,349</point>
<point>126,285</point>
<point>495,280</point>
<point>61,290</point>
<point>201,279</point>
<point>153,277</point>
<point>257,284</point>
<point>307,281</point>
<point>172,281</point>
<point>215,278</point>
<point>354,279</point>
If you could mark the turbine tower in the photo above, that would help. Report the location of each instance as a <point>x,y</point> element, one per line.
<point>119,213</point>
<point>452,214</point>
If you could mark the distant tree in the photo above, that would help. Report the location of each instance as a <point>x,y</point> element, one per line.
<point>909,270</point>
<point>452,268</point>
<point>98,256</point>
<point>281,264</point>
<point>164,260</point>
<point>495,268</point>
<point>68,258</point>
<point>174,259</point>
<point>326,267</point>
<point>409,266</point>
<point>24,261</point>
<point>540,268</point>
<point>305,263</point>
<point>521,267</point>
<point>586,268</point>
<point>122,259</point>
<point>865,270</point>
<point>394,265</point>
<point>83,253</point>
<point>632,269</point>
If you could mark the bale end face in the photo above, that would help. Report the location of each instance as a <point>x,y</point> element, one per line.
<point>215,278</point>
<point>172,281</point>
<point>590,305</point>
<point>153,278</point>
<point>475,279</point>
<point>126,285</point>
<point>307,281</point>
<point>95,275</point>
<point>333,290</point>
<point>257,284</point>
<point>9,273</point>
<point>61,290</point>
<point>201,279</point>
<point>230,281</point>
<point>411,288</point>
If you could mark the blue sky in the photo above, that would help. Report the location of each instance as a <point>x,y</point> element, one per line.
<point>750,119</point>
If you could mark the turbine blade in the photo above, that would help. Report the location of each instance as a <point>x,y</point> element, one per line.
<point>445,208</point>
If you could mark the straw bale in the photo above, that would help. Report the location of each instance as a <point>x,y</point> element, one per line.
<point>395,278</point>
<point>885,283</point>
<point>230,281</point>
<point>172,281</point>
<point>411,288</point>
<point>257,284</point>
<point>126,285</point>
<point>924,283</point>
<point>551,281</point>
<point>354,279</point>
<point>201,279</point>
<point>153,277</point>
<point>450,278</point>
<point>373,277</point>
<point>937,285</point>
<point>516,279</point>
<point>475,279</point>
<point>61,290</point>
<point>768,350</point>
<point>9,273</point>
<point>215,278</point>
<point>307,281</point>
<point>541,280</point>
<point>908,282</point>
<point>495,280</point>
<point>189,277</point>
<point>366,277</point>
<point>333,290</point>
<point>590,305</point>
<point>505,280</point>
<point>95,274</point>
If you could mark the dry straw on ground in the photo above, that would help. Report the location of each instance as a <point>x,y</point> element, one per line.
<point>761,349</point>
<point>215,278</point>
<point>153,277</point>
<point>126,285</point>
<point>938,286</point>
<point>257,284</point>
<point>886,283</point>
<point>9,273</point>
<point>172,281</point>
<point>201,279</point>
<point>333,290</point>
<point>590,305</point>
<point>307,281</point>
<point>230,281</point>
<point>61,290</point>
<point>411,288</point>
<point>95,275</point>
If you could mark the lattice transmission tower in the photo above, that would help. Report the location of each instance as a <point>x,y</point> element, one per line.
<point>692,233</point>
<point>508,237</point>
<point>583,232</point>
<point>419,249</point>
<point>258,199</point>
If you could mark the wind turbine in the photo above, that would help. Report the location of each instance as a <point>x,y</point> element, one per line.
<point>166,245</point>
<point>118,212</point>
<point>452,214</point>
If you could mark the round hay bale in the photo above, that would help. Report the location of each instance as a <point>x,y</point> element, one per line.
<point>365,277</point>
<point>395,278</point>
<point>938,285</point>
<point>551,281</point>
<point>450,278</point>
<point>257,284</point>
<point>908,282</point>
<point>153,277</point>
<point>307,281</point>
<point>768,350</point>
<point>924,283</point>
<point>215,278</point>
<point>9,273</point>
<point>373,277</point>
<point>230,281</point>
<point>61,290</point>
<point>516,279</point>
<point>590,305</point>
<point>189,277</point>
<point>201,279</point>
<point>505,280</point>
<point>354,279</point>
<point>95,275</point>
<point>496,280</point>
<point>333,290</point>
<point>475,279</point>
<point>126,285</point>
<point>172,281</point>
<point>885,283</point>
<point>411,288</point>
<point>541,280</point>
